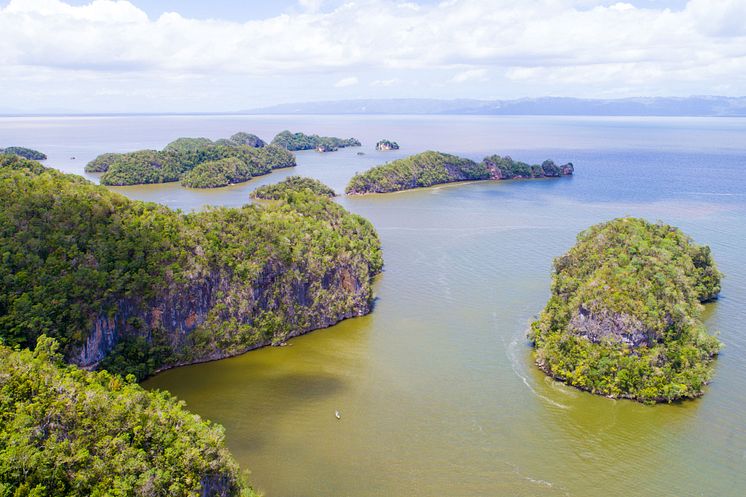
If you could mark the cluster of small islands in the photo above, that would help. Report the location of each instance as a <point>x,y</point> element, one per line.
<point>203,163</point>
<point>100,291</point>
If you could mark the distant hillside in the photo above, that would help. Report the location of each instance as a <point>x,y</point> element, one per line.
<point>555,106</point>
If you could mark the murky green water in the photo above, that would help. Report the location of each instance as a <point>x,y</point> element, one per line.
<point>436,388</point>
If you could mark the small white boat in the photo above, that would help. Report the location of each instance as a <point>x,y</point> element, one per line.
<point>337,415</point>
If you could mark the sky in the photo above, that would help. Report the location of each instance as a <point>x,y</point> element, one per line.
<point>189,55</point>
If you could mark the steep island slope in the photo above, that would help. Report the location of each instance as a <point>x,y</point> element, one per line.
<point>624,317</point>
<point>65,431</point>
<point>135,287</point>
<point>434,168</point>
<point>183,155</point>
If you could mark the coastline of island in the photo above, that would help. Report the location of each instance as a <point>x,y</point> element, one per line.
<point>434,168</point>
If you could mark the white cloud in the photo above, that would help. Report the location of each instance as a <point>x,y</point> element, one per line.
<point>385,82</point>
<point>571,45</point>
<point>311,5</point>
<point>470,75</point>
<point>345,82</point>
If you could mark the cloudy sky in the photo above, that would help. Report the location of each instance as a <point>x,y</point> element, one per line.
<point>225,55</point>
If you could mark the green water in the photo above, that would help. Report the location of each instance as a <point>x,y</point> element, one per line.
<point>436,388</point>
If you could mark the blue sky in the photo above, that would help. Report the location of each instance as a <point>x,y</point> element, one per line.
<point>188,55</point>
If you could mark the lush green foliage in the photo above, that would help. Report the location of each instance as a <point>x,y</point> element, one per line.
<point>510,168</point>
<point>196,144</point>
<point>187,145</point>
<point>184,154</point>
<point>146,166</point>
<point>432,168</point>
<point>217,173</point>
<point>623,319</point>
<point>101,163</point>
<point>247,139</point>
<point>151,166</point>
<point>507,168</point>
<point>292,184</point>
<point>425,169</point>
<point>78,257</point>
<point>387,145</point>
<point>11,161</point>
<point>26,153</point>
<point>68,432</point>
<point>301,141</point>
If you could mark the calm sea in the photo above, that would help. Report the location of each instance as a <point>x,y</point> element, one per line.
<point>436,388</point>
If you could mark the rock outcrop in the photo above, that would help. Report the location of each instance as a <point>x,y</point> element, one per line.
<point>624,316</point>
<point>386,145</point>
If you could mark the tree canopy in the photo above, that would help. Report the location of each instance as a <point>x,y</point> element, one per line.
<point>624,317</point>
<point>66,432</point>
<point>292,184</point>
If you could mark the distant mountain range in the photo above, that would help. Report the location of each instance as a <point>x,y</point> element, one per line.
<point>553,106</point>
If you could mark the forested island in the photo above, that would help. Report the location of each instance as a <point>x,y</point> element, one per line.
<point>69,432</point>
<point>26,153</point>
<point>301,141</point>
<point>292,184</point>
<point>433,168</point>
<point>385,145</point>
<point>197,162</point>
<point>624,316</point>
<point>135,287</point>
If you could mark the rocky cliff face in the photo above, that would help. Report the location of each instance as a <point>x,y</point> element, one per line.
<point>218,315</point>
<point>604,325</point>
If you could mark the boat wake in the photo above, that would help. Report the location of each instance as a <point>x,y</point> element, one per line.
<point>510,350</point>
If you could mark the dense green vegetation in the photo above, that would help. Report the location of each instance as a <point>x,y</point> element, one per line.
<point>146,166</point>
<point>187,145</point>
<point>196,144</point>
<point>301,141</point>
<point>68,432</point>
<point>11,161</point>
<point>292,184</point>
<point>432,168</point>
<point>623,319</point>
<point>387,145</point>
<point>26,153</point>
<point>217,173</point>
<point>181,157</point>
<point>102,163</point>
<point>507,168</point>
<point>184,154</point>
<point>135,286</point>
<point>247,139</point>
<point>425,169</point>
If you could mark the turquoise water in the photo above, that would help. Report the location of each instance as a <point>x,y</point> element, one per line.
<point>436,388</point>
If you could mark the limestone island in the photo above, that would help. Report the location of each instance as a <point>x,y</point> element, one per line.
<point>135,287</point>
<point>26,153</point>
<point>433,168</point>
<point>624,316</point>
<point>300,141</point>
<point>111,436</point>
<point>292,184</point>
<point>385,145</point>
<point>196,162</point>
